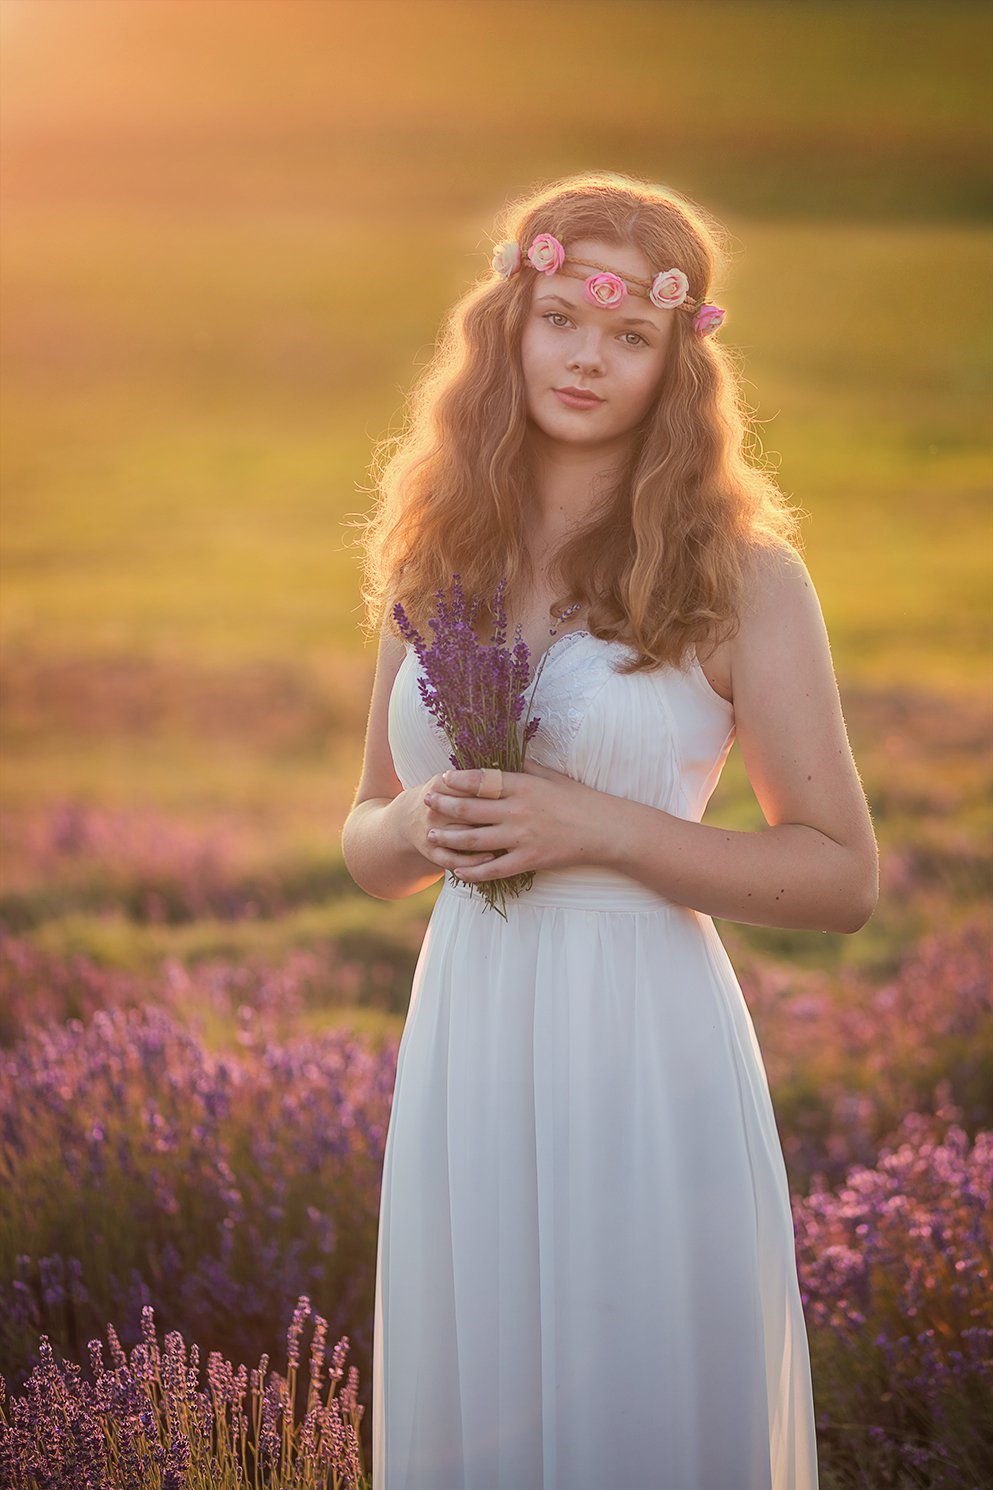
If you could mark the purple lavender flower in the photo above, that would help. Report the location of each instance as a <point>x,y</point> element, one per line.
<point>127,1430</point>
<point>477,694</point>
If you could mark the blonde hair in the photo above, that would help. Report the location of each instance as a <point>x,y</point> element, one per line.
<point>660,560</point>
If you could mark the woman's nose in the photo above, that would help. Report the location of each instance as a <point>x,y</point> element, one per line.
<point>587,356</point>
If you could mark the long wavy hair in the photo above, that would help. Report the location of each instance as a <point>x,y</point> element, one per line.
<point>659,563</point>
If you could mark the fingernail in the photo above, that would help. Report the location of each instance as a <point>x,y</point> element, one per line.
<point>446,777</point>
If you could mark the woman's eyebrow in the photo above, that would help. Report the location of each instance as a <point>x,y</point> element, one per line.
<point>571,305</point>
<point>557,299</point>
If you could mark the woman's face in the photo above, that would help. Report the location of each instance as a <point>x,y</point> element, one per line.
<point>617,354</point>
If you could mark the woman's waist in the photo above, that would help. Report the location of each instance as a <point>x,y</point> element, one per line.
<point>584,887</point>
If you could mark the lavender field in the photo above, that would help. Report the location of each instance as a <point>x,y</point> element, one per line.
<point>144,1173</point>
<point>194,1136</point>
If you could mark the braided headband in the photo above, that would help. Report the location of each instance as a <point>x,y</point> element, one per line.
<point>669,290</point>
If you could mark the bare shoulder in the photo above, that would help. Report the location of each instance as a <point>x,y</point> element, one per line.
<point>781,645</point>
<point>389,657</point>
<point>379,778</point>
<point>776,591</point>
<point>788,713</point>
<point>774,577</point>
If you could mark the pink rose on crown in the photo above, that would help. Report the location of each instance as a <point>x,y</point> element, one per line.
<point>546,254</point>
<point>707,319</point>
<point>605,289</point>
<point>506,259</point>
<point>669,289</point>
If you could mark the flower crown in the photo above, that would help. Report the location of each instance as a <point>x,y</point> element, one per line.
<point>669,290</point>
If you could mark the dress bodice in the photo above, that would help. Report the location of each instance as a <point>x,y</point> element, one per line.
<point>658,737</point>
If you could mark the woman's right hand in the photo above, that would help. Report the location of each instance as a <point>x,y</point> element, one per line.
<point>419,818</point>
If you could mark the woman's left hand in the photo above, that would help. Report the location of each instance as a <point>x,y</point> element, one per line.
<point>543,820</point>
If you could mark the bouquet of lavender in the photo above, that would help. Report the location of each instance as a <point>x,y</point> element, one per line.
<point>476,692</point>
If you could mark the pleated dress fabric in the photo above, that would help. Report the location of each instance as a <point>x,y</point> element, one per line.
<point>586,1276</point>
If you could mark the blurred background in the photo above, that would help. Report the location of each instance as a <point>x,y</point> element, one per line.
<point>230,231</point>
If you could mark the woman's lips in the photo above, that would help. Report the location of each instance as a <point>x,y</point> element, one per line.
<point>578,398</point>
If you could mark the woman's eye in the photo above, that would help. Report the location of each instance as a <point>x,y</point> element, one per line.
<point>557,318</point>
<point>633,339</point>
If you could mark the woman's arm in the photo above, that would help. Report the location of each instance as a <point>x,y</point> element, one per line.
<point>815,867</point>
<point>381,837</point>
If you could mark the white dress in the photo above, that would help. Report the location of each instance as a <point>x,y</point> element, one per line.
<point>586,1276</point>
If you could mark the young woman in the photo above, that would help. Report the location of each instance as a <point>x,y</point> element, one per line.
<point>586,1275</point>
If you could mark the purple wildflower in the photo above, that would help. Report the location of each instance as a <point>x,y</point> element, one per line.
<point>300,1314</point>
<point>126,1430</point>
<point>477,694</point>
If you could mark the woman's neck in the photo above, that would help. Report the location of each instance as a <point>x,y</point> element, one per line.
<point>568,484</point>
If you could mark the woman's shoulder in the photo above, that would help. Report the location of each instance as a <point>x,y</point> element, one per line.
<point>390,655</point>
<point>781,628</point>
<point>774,588</point>
<point>774,579</point>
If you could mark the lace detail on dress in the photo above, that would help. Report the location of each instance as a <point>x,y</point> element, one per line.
<point>567,686</point>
